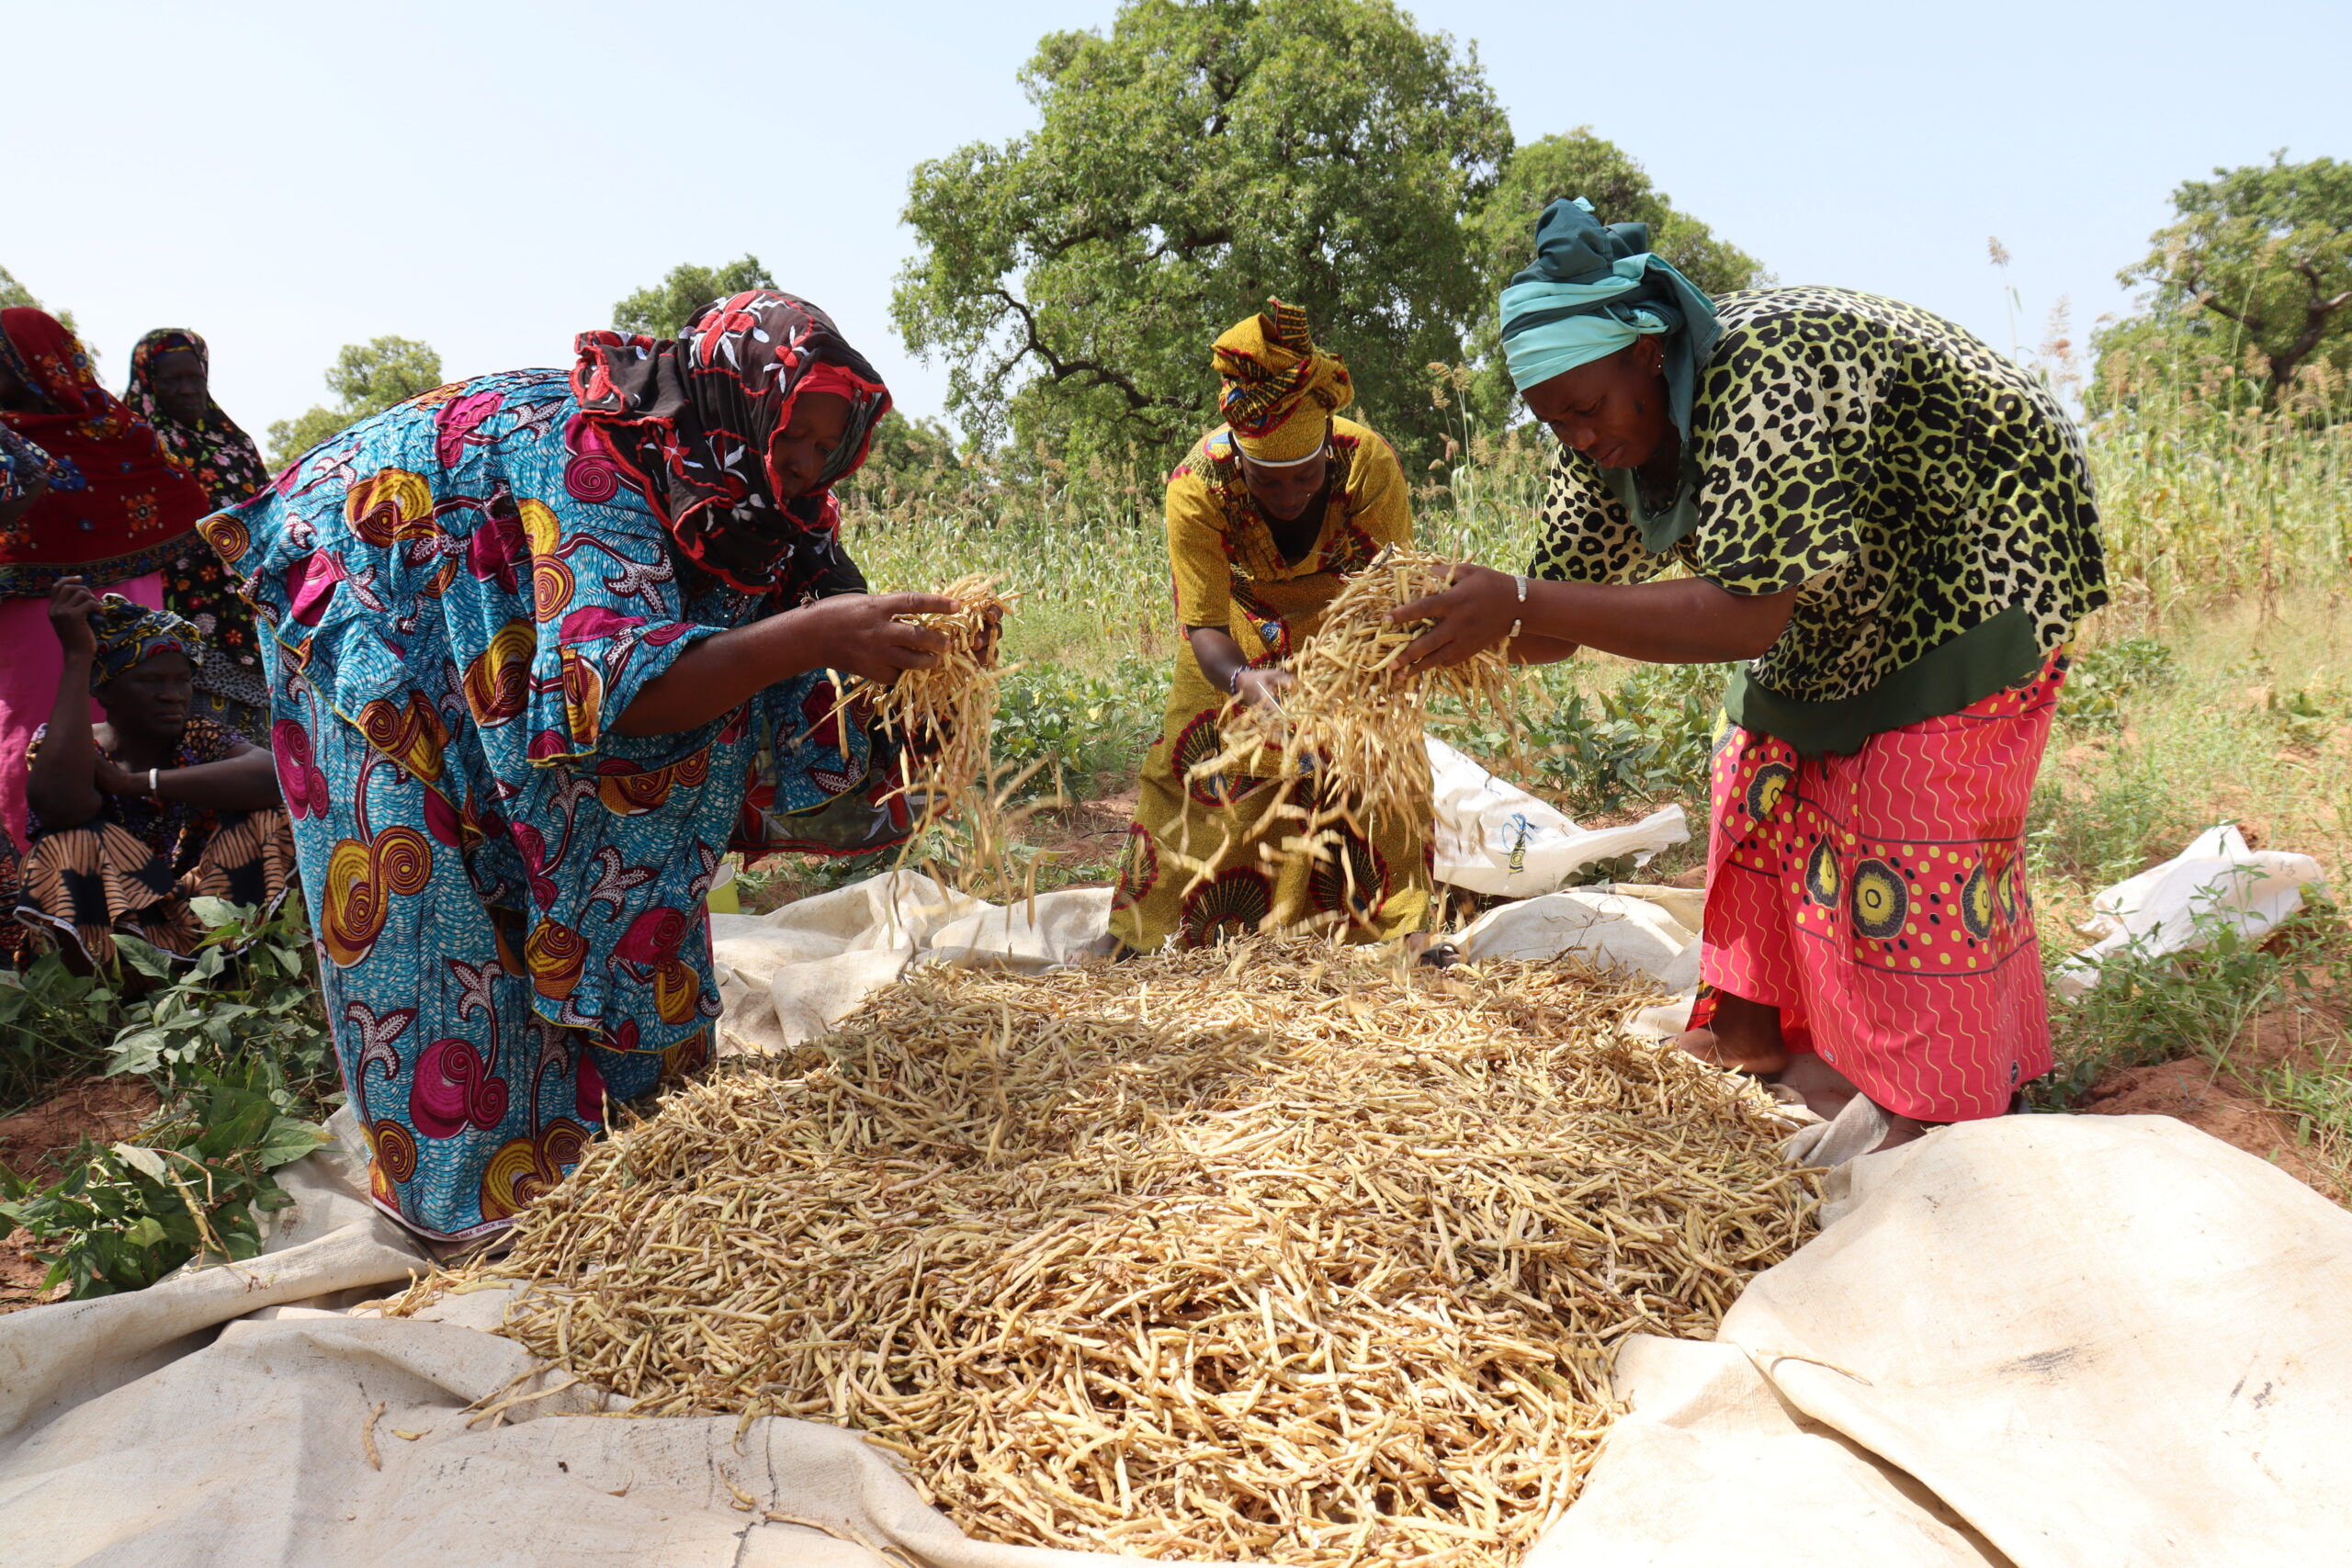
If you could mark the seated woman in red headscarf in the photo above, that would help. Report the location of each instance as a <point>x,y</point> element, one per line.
<point>109,508</point>
<point>131,818</point>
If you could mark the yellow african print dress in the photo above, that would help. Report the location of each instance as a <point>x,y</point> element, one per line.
<point>1230,573</point>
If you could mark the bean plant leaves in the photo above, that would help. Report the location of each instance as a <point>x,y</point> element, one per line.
<point>148,959</point>
<point>147,1162</point>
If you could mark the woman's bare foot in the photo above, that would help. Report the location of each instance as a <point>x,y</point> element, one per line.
<point>1824,1088</point>
<point>1826,1092</point>
<point>1745,1037</point>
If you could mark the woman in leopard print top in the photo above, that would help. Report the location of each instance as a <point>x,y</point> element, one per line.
<point>1894,526</point>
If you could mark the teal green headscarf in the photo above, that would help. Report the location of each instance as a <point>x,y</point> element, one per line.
<point>1592,291</point>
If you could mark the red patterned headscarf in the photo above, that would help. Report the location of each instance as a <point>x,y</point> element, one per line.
<point>122,508</point>
<point>697,416</point>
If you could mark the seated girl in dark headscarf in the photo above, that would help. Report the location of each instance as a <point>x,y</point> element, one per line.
<point>171,388</point>
<point>131,818</point>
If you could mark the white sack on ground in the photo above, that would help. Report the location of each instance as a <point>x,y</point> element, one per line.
<point>2217,884</point>
<point>897,908</point>
<point>1493,837</point>
<point>1615,931</point>
<point>2097,1339</point>
<point>1007,938</point>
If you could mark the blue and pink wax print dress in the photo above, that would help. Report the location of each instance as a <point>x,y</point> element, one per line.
<point>463,595</point>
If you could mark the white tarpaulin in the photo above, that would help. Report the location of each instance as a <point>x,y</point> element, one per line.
<point>1632,931</point>
<point>2040,1340</point>
<point>2216,883</point>
<point>791,974</point>
<point>1493,837</point>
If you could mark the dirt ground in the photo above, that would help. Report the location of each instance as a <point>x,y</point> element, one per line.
<point>2223,1098</point>
<point>105,1108</point>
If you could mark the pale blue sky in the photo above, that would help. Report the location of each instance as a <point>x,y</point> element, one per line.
<point>491,176</point>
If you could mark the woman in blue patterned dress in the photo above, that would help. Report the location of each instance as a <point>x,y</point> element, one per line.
<point>542,646</point>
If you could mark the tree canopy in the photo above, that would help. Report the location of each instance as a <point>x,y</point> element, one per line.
<point>662,309</point>
<point>16,296</point>
<point>1202,156</point>
<point>1502,230</point>
<point>2258,259</point>
<point>366,378</point>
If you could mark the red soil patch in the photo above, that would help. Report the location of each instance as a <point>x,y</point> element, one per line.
<point>105,1108</point>
<point>2224,1098</point>
<point>2208,1102</point>
<point>1089,831</point>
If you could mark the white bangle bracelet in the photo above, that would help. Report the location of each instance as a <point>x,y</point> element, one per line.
<point>150,780</point>
<point>1522,599</point>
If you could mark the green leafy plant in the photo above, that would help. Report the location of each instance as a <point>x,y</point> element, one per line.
<point>248,995</point>
<point>1071,726</point>
<point>54,1024</point>
<point>193,1184</point>
<point>237,1047</point>
<point>1648,738</point>
<point>2149,1008</point>
<point>2102,679</point>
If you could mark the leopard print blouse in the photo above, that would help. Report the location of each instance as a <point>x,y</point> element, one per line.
<point>1913,483</point>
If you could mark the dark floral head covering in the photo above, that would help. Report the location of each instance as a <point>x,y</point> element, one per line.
<point>131,634</point>
<point>213,451</point>
<point>697,415</point>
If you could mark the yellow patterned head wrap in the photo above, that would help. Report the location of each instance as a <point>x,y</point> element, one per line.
<point>1279,390</point>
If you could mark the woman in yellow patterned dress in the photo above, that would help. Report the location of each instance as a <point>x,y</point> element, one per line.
<point>1267,515</point>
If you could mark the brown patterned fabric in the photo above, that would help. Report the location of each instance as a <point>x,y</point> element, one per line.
<point>98,879</point>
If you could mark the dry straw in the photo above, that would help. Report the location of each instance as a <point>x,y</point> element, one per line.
<point>1346,741</point>
<point>1272,1252</point>
<point>945,715</point>
<point>945,718</point>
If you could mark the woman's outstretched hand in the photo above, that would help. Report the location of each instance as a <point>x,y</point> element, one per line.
<point>1470,616</point>
<point>71,605</point>
<point>863,634</point>
<point>860,633</point>
<point>1262,688</point>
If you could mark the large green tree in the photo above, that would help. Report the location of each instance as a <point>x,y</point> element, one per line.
<point>662,309</point>
<point>366,379</point>
<point>2257,258</point>
<point>1502,233</point>
<point>1204,155</point>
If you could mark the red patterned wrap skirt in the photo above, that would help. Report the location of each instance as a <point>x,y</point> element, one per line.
<point>1879,900</point>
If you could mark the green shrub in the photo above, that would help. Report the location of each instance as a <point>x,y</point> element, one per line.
<point>2102,679</point>
<point>1073,728</point>
<point>54,1024</point>
<point>1648,738</point>
<point>237,1049</point>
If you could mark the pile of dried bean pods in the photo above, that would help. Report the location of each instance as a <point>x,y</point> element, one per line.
<point>1276,1251</point>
